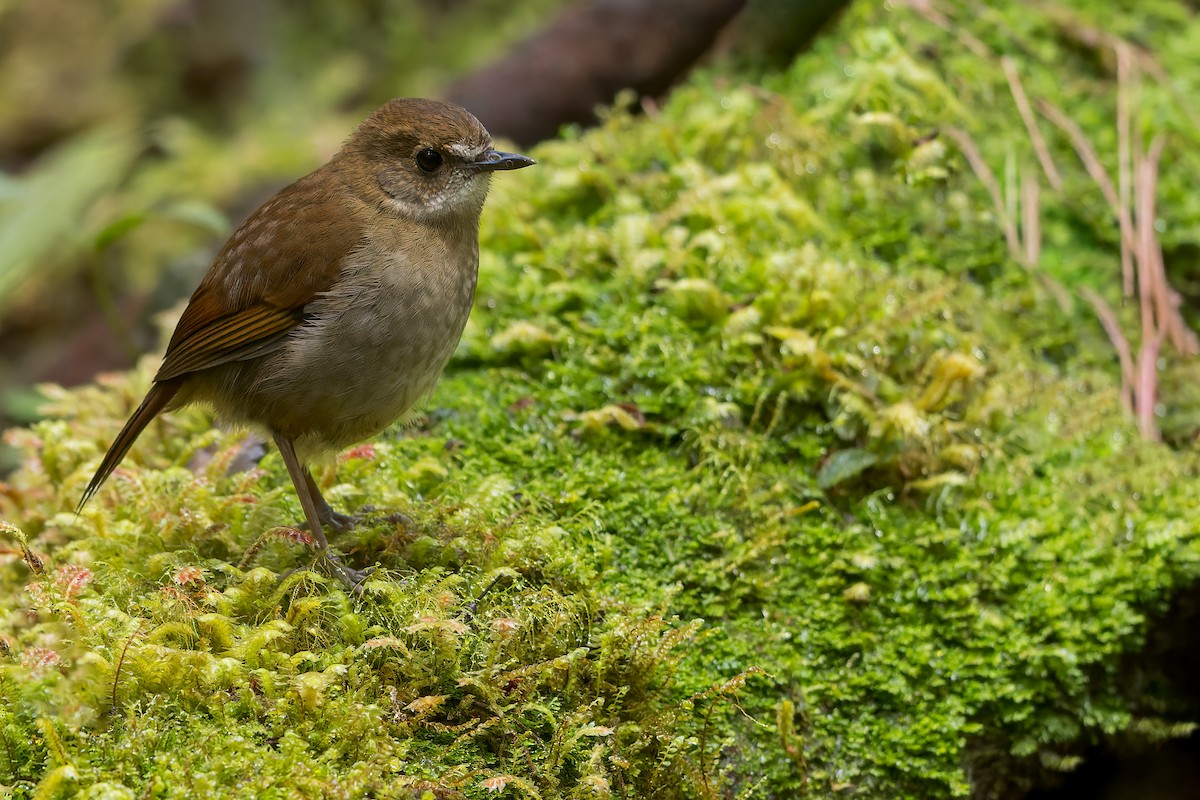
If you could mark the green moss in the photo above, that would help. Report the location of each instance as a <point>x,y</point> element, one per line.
<point>763,470</point>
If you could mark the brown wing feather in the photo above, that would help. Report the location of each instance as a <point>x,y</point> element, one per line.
<point>275,263</point>
<point>228,339</point>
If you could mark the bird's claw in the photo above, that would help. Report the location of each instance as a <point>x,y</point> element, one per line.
<point>338,522</point>
<point>352,578</point>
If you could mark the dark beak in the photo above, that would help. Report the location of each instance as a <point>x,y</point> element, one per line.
<point>493,160</point>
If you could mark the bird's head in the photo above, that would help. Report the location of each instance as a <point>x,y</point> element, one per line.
<point>424,160</point>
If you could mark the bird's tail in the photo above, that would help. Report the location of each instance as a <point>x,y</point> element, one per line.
<point>155,401</point>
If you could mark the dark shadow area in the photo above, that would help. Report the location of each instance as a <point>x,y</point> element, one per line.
<point>1168,667</point>
<point>1170,771</point>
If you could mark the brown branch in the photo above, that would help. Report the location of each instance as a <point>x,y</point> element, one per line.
<point>1124,181</point>
<point>1112,327</point>
<point>121,663</point>
<point>1074,30</point>
<point>988,178</point>
<point>1188,343</point>
<point>1031,222</point>
<point>1144,180</point>
<point>1083,147</point>
<point>1035,134</point>
<point>1091,162</point>
<point>1131,201</point>
<point>1156,291</point>
<point>584,57</point>
<point>927,10</point>
<point>1146,388</point>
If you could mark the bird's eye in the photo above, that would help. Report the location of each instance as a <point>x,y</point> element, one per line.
<point>429,160</point>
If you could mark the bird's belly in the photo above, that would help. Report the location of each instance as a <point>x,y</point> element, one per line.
<point>363,359</point>
<point>374,364</point>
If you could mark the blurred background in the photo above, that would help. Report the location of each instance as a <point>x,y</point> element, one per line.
<point>135,134</point>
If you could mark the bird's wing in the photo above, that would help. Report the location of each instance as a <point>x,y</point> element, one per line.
<point>231,337</point>
<point>283,256</point>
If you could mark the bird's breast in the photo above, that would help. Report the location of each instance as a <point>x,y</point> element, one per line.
<point>374,345</point>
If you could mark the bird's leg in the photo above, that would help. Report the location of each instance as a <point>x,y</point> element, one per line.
<point>302,481</point>
<point>345,522</point>
<point>325,513</point>
<point>298,474</point>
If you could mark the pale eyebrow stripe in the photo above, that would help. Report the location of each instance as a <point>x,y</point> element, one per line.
<point>462,150</point>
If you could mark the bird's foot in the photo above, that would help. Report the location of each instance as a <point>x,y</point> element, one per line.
<point>337,521</point>
<point>352,578</point>
<point>396,517</point>
<point>344,523</point>
<point>327,562</point>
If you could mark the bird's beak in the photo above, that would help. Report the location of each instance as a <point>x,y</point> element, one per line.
<point>493,160</point>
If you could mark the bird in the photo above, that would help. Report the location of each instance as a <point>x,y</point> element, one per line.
<point>333,309</point>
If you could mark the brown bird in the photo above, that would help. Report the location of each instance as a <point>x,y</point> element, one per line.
<point>333,309</point>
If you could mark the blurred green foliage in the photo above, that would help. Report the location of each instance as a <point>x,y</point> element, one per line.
<point>129,108</point>
<point>763,470</point>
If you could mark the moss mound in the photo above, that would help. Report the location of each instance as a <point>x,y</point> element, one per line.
<point>764,470</point>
